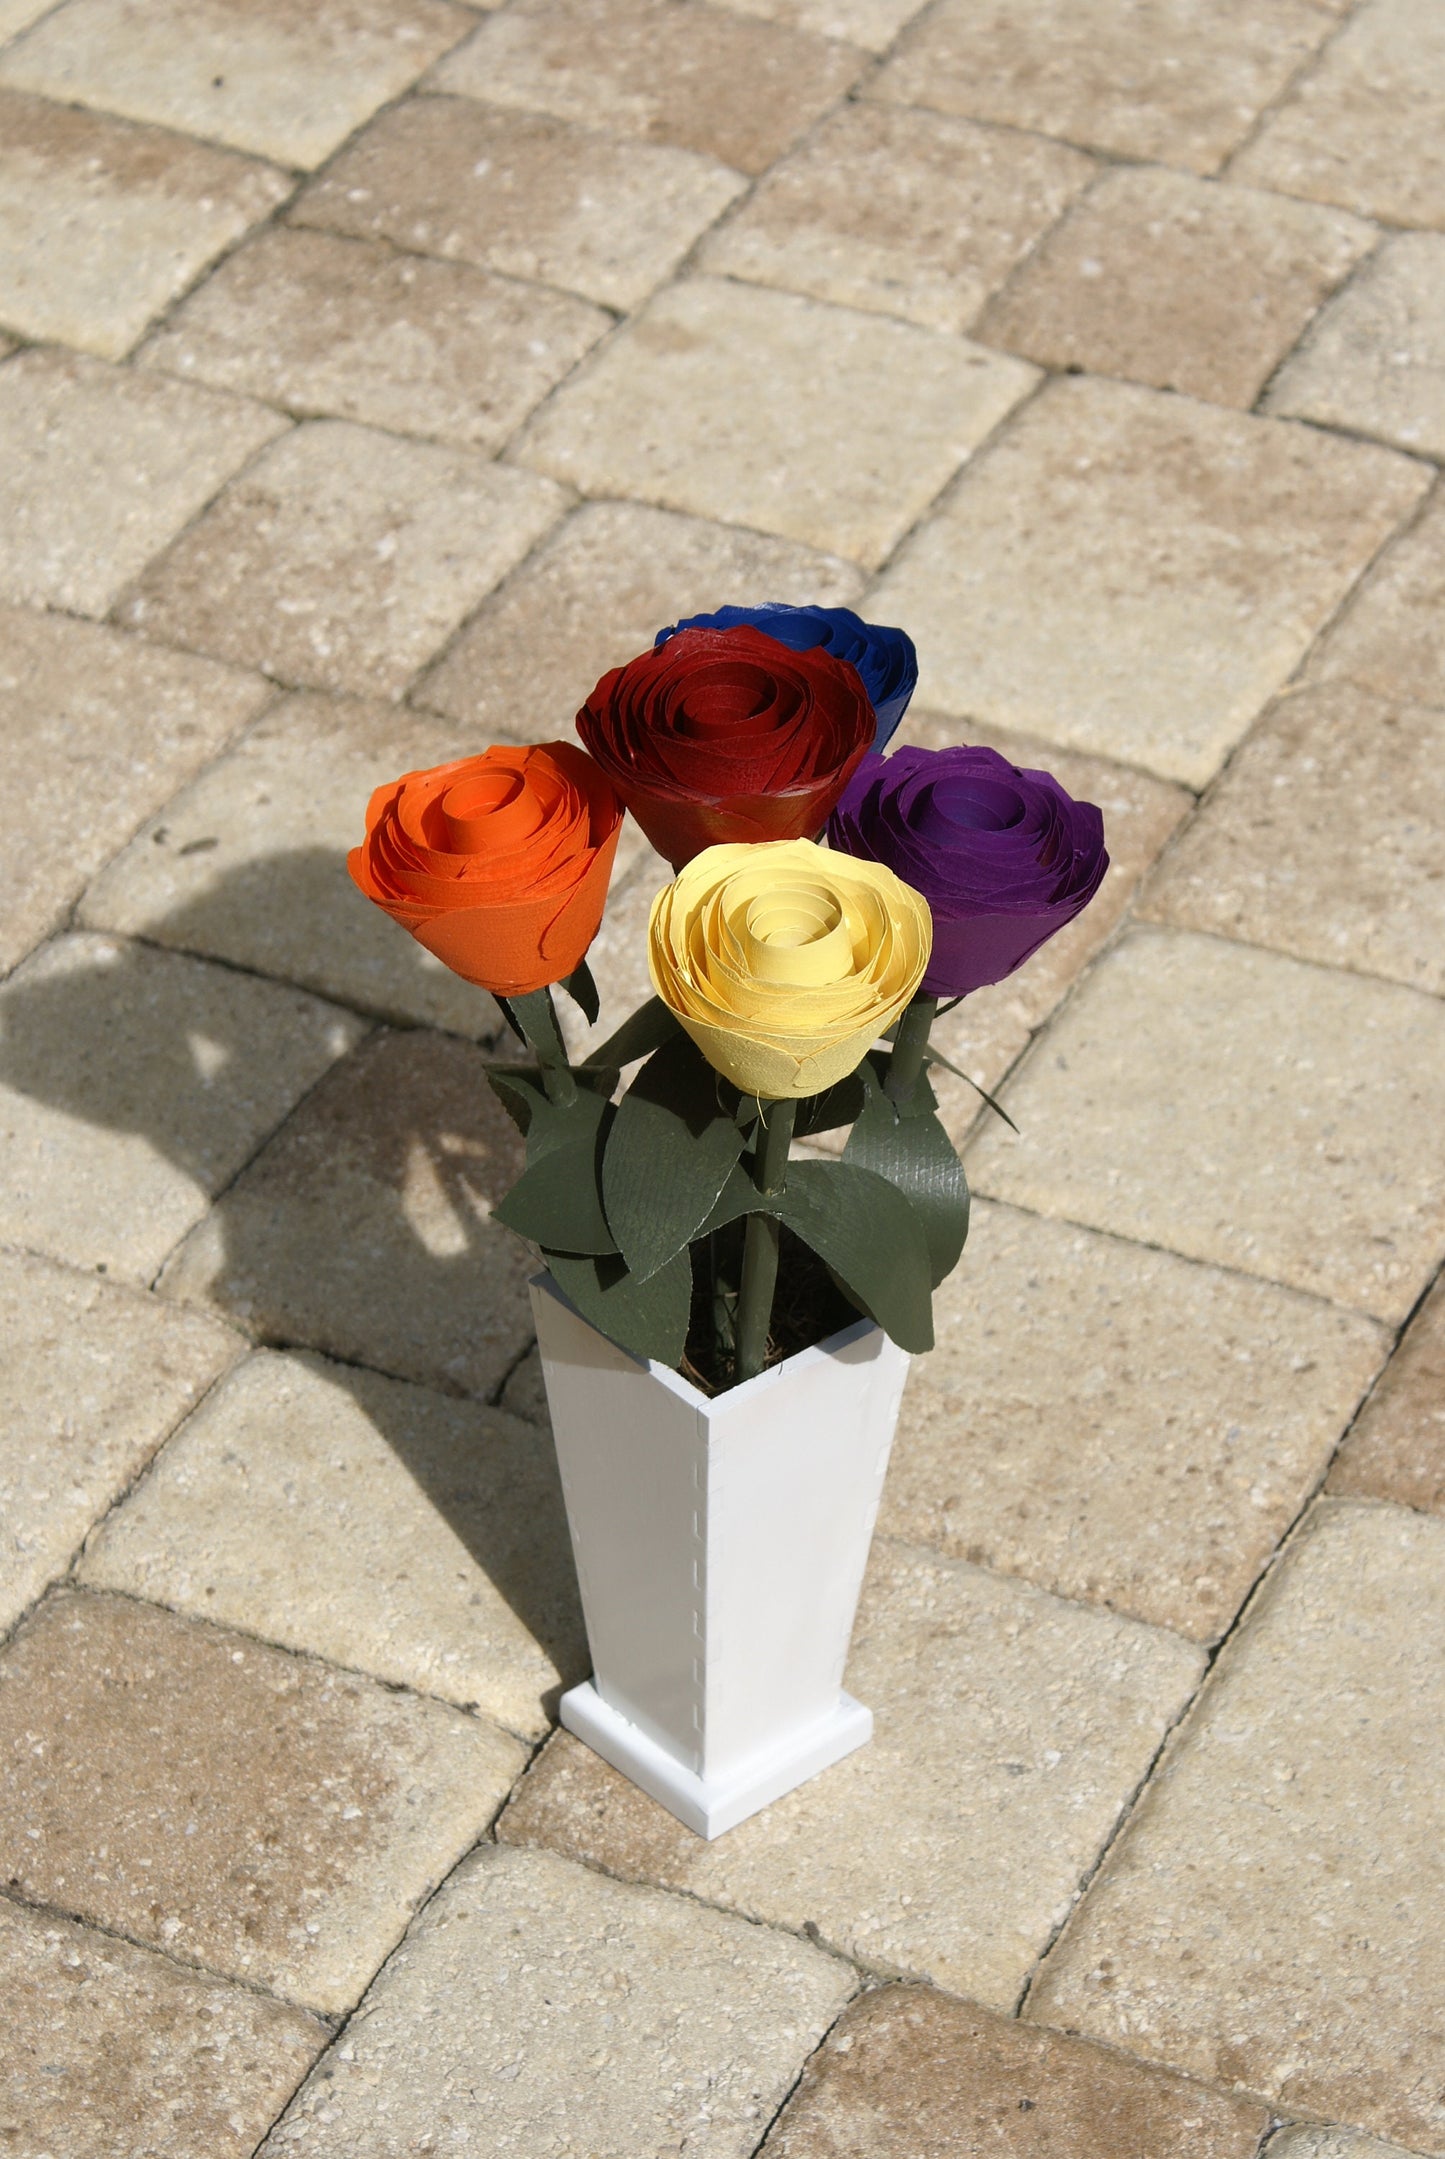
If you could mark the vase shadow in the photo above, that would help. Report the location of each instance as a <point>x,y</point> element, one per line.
<point>116,1042</point>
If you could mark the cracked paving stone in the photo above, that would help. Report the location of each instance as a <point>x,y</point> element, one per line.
<point>261,1816</point>
<point>1397,1448</point>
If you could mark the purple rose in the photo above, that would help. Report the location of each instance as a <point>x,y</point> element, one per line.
<point>1003,856</point>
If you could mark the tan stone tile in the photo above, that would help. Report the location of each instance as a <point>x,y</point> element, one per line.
<point>349,327</point>
<point>363,1229</point>
<point>1375,361</point>
<point>1011,1728</point>
<point>102,224</point>
<point>629,2022</point>
<point>97,731</point>
<point>1177,282</point>
<point>1392,635</point>
<point>1136,574</point>
<point>713,402</point>
<point>343,558</point>
<point>902,212</point>
<point>1240,1107</point>
<point>1270,1917</point>
<point>594,595</point>
<point>262,1816</point>
<point>523,194</point>
<point>93,1379</point>
<point>984,1034</point>
<point>1119,1425</point>
<point>248,863</point>
<point>111,2048</point>
<point>101,467</point>
<point>701,78</point>
<point>17,15</point>
<point>873,24</point>
<point>1308,2143</point>
<point>1363,128</point>
<point>289,83</point>
<point>1323,839</point>
<point>133,1085</point>
<point>909,2074</point>
<point>1397,1449</point>
<point>375,1524</point>
<point>1183,85</point>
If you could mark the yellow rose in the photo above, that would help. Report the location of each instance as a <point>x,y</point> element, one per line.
<point>785,962</point>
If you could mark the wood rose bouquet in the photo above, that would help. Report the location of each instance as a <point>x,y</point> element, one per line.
<point>826,898</point>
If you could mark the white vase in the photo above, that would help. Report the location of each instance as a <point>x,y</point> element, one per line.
<point>720,1547</point>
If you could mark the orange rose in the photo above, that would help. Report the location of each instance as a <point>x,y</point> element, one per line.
<point>498,864</point>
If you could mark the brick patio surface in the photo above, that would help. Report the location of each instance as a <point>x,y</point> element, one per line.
<point>373,374</point>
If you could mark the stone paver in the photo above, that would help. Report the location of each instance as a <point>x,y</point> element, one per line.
<point>1323,839</point>
<point>350,328</point>
<point>730,86</point>
<point>17,15</point>
<point>93,1378</point>
<point>1397,1449</point>
<point>248,863</point>
<point>98,729</point>
<point>112,2048</point>
<point>261,1816</point>
<point>133,1085</point>
<point>1270,1917</point>
<point>909,2074</point>
<point>1363,128</point>
<point>1177,282</point>
<point>538,2008</point>
<point>102,223</point>
<point>1011,1728</point>
<point>1135,574</point>
<point>1240,1107</point>
<point>1392,635</point>
<point>362,1230</point>
<point>596,593</point>
<point>871,23</point>
<point>713,402</point>
<point>344,558</point>
<point>985,1034</point>
<point>288,83</point>
<point>1307,2143</point>
<point>100,468</point>
<point>1183,84</point>
<point>1117,1424</point>
<point>524,194</point>
<point>905,213</point>
<point>378,1525</point>
<point>1375,362</point>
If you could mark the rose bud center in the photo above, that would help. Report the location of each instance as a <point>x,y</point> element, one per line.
<point>973,805</point>
<point>490,809</point>
<point>796,936</point>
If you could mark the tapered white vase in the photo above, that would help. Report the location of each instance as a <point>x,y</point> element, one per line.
<point>720,1546</point>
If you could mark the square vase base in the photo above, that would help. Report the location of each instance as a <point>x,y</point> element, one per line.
<point>709,1805</point>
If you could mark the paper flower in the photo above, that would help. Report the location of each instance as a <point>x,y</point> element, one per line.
<point>498,864</point>
<point>721,736</point>
<point>1003,856</point>
<point>785,962</point>
<point>885,659</point>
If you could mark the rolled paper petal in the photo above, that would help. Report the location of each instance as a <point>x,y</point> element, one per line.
<point>1001,853</point>
<point>497,864</point>
<point>786,962</point>
<point>886,662</point>
<point>727,736</point>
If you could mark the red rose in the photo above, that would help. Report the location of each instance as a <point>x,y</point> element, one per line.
<point>723,736</point>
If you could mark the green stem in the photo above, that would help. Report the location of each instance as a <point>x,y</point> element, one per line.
<point>909,1044</point>
<point>760,1243</point>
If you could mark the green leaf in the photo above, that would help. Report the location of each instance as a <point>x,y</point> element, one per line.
<point>536,1016</point>
<point>650,1026</point>
<point>914,1153</point>
<point>557,1200</point>
<point>873,1240</point>
<point>834,1107</point>
<point>739,1196</point>
<point>582,990</point>
<point>936,1057</point>
<point>668,1156</point>
<point>648,1318</point>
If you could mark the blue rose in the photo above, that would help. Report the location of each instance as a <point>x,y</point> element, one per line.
<point>884,658</point>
